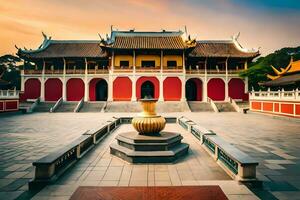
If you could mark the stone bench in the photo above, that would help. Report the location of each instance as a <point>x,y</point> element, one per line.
<point>199,131</point>
<point>126,120</point>
<point>186,123</point>
<point>98,133</point>
<point>235,162</point>
<point>50,167</point>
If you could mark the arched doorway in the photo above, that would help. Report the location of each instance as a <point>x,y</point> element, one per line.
<point>101,90</point>
<point>122,89</point>
<point>147,90</point>
<point>193,90</point>
<point>216,89</point>
<point>32,88</point>
<point>236,88</point>
<point>144,79</point>
<point>172,89</point>
<point>53,89</point>
<point>75,89</point>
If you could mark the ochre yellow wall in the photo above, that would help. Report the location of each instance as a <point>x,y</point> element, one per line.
<point>119,58</point>
<point>140,58</point>
<point>177,58</point>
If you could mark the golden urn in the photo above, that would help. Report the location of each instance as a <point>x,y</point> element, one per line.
<point>148,122</point>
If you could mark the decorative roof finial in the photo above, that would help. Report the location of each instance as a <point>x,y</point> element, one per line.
<point>236,36</point>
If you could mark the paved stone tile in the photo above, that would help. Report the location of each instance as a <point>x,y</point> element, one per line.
<point>25,138</point>
<point>10,195</point>
<point>16,175</point>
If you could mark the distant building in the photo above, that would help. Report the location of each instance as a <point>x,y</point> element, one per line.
<point>285,77</point>
<point>130,65</point>
<point>280,102</point>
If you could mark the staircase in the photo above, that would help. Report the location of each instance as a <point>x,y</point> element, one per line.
<point>172,106</point>
<point>196,106</point>
<point>25,105</point>
<point>67,107</point>
<point>243,106</point>
<point>123,106</point>
<point>43,107</point>
<point>225,107</point>
<point>92,106</point>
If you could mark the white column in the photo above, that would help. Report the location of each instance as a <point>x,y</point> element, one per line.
<point>42,97</point>
<point>112,62</point>
<point>226,80</point>
<point>110,87</point>
<point>133,93</point>
<point>204,97</point>
<point>183,88</point>
<point>22,80</point>
<point>134,61</point>
<point>161,88</point>
<point>86,83</point>
<point>64,82</point>
<point>161,61</point>
<point>246,79</point>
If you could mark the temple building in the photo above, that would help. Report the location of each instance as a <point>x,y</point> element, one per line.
<point>130,65</point>
<point>288,77</point>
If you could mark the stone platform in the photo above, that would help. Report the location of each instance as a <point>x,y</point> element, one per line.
<point>161,148</point>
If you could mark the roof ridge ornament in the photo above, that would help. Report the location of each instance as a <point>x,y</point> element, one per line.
<point>235,41</point>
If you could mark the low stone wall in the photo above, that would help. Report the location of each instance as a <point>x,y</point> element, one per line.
<point>235,162</point>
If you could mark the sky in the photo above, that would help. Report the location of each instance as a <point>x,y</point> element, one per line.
<point>265,24</point>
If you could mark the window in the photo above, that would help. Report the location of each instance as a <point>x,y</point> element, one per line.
<point>150,63</point>
<point>172,63</point>
<point>124,63</point>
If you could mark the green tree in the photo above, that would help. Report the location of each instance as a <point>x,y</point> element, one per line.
<point>9,70</point>
<point>258,70</point>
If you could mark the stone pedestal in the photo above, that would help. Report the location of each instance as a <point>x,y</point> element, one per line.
<point>161,148</point>
<point>148,144</point>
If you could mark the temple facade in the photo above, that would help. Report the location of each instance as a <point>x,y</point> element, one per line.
<point>130,65</point>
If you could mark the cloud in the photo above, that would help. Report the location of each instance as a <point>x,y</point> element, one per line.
<point>22,21</point>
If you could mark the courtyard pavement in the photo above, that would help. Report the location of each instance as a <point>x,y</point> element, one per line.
<point>274,142</point>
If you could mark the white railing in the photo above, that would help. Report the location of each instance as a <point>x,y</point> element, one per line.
<point>56,105</point>
<point>212,104</point>
<point>9,94</point>
<point>275,95</point>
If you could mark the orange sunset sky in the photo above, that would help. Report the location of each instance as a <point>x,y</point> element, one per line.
<point>269,24</point>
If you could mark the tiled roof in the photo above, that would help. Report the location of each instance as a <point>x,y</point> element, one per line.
<point>147,40</point>
<point>284,80</point>
<point>60,49</point>
<point>220,49</point>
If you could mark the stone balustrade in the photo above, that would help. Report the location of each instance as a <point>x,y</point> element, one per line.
<point>275,95</point>
<point>9,94</point>
<point>236,163</point>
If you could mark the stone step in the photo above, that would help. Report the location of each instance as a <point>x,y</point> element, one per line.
<point>225,107</point>
<point>123,106</point>
<point>43,107</point>
<point>243,104</point>
<point>196,106</point>
<point>92,106</point>
<point>25,104</point>
<point>164,141</point>
<point>172,106</point>
<point>67,107</point>
<point>149,156</point>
